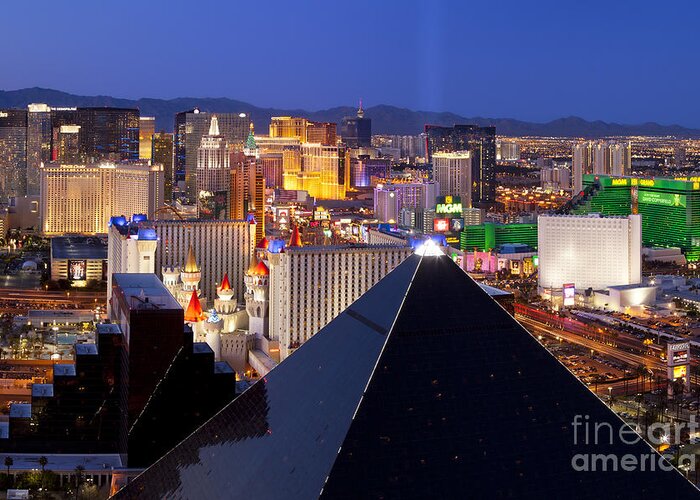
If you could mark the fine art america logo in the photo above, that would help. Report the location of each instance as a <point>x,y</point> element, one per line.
<point>599,435</point>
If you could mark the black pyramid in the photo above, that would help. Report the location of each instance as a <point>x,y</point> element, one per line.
<point>423,388</point>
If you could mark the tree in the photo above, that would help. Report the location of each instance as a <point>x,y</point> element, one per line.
<point>79,469</point>
<point>43,461</point>
<point>9,463</point>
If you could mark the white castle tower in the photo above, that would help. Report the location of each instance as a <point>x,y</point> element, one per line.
<point>257,282</point>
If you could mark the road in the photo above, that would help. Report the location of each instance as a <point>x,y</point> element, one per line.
<point>619,388</point>
<point>19,298</point>
<point>615,352</point>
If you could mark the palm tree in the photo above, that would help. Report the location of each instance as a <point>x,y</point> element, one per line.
<point>8,463</point>
<point>79,469</point>
<point>43,461</point>
<point>641,372</point>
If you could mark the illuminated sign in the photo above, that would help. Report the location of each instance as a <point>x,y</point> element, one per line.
<point>3,114</point>
<point>441,225</point>
<point>569,290</point>
<point>619,182</point>
<point>448,208</point>
<point>666,199</point>
<point>77,270</point>
<point>679,372</point>
<point>646,182</point>
<point>456,225</point>
<point>680,356</point>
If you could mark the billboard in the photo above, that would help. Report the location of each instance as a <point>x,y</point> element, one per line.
<point>569,290</point>
<point>680,356</point>
<point>679,372</point>
<point>448,205</point>
<point>77,270</point>
<point>441,225</point>
<point>666,199</point>
<point>456,225</point>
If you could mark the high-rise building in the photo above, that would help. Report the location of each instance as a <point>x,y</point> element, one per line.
<point>162,153</point>
<point>38,143</point>
<point>390,199</point>
<point>383,401</point>
<point>309,286</point>
<point>13,153</point>
<point>289,127</point>
<point>453,174</point>
<point>366,171</point>
<point>507,151</point>
<point>152,323</point>
<point>323,171</point>
<point>82,198</point>
<point>481,144</point>
<point>65,144</point>
<point>222,247</point>
<point>322,132</point>
<point>147,127</point>
<point>273,168</point>
<point>131,248</point>
<point>190,127</point>
<point>555,178</point>
<point>213,174</point>
<point>589,251</point>
<point>600,157</point>
<point>356,131</point>
<point>104,134</point>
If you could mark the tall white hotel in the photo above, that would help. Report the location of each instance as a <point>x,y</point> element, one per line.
<point>82,198</point>
<point>221,246</point>
<point>453,173</point>
<point>589,251</point>
<point>309,286</point>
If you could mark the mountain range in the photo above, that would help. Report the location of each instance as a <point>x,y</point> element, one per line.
<point>385,119</point>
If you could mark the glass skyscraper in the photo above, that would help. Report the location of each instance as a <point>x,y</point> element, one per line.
<point>13,153</point>
<point>189,128</point>
<point>481,142</point>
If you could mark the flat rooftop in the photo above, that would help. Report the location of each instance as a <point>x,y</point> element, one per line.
<point>79,247</point>
<point>630,287</point>
<point>66,462</point>
<point>144,290</point>
<point>74,315</point>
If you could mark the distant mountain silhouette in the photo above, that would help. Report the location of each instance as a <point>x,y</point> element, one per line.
<point>385,119</point>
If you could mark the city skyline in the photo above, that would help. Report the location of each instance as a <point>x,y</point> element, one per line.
<point>530,62</point>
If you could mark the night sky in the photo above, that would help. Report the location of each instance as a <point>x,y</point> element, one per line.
<point>615,60</point>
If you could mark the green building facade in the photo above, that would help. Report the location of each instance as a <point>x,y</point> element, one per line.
<point>670,208</point>
<point>489,236</point>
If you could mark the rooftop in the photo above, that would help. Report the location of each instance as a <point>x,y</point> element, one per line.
<point>144,290</point>
<point>86,349</point>
<point>42,390</point>
<point>64,370</point>
<point>20,410</point>
<point>79,247</point>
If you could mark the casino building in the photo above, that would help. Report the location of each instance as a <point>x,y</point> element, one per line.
<point>670,208</point>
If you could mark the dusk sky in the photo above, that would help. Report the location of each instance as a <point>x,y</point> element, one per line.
<point>625,61</point>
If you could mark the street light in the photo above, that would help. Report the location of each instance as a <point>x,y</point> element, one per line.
<point>610,393</point>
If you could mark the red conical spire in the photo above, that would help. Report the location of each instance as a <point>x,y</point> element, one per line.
<point>295,239</point>
<point>194,309</point>
<point>225,285</point>
<point>263,244</point>
<point>260,270</point>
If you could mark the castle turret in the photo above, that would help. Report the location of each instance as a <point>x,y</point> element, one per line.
<point>257,298</point>
<point>225,303</point>
<point>191,273</point>
<point>213,326</point>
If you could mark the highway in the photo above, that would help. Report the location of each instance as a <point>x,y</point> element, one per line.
<point>619,388</point>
